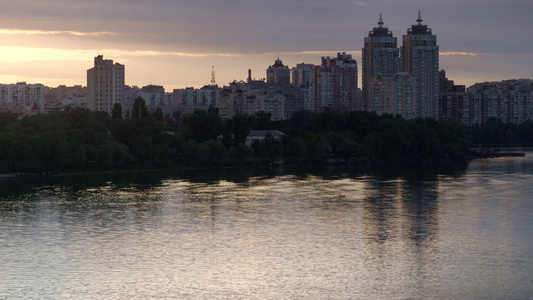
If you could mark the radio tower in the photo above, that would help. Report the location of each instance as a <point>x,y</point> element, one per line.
<point>213,82</point>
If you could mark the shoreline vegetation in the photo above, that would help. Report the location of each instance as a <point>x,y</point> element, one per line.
<point>82,141</point>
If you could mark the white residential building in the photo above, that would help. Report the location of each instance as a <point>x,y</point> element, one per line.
<point>190,99</point>
<point>259,135</point>
<point>22,97</point>
<point>105,85</point>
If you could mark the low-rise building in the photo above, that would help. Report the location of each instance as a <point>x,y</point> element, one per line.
<point>260,135</point>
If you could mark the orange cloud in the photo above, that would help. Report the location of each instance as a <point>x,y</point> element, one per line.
<point>22,53</point>
<point>459,53</point>
<point>52,32</point>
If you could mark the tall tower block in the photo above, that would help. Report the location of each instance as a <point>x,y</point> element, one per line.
<point>105,85</point>
<point>380,56</point>
<point>420,58</point>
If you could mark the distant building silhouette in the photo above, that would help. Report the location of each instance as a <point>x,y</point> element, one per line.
<point>380,57</point>
<point>300,75</point>
<point>22,98</point>
<point>393,94</point>
<point>333,84</point>
<point>278,73</point>
<point>401,81</point>
<point>420,58</point>
<point>190,99</point>
<point>510,101</point>
<point>105,85</point>
<point>153,89</point>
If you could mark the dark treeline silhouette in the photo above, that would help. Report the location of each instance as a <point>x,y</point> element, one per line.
<point>80,139</point>
<point>365,135</point>
<point>497,133</point>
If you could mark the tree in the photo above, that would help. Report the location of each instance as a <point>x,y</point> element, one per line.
<point>239,127</point>
<point>240,153</point>
<point>7,118</point>
<point>296,148</point>
<point>201,126</point>
<point>318,148</point>
<point>117,111</point>
<point>159,114</point>
<point>139,109</point>
<point>214,149</point>
<point>347,149</point>
<point>261,121</point>
<point>272,148</point>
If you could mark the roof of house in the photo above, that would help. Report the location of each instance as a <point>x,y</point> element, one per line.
<point>272,132</point>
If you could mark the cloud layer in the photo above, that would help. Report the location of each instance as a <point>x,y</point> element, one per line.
<point>184,38</point>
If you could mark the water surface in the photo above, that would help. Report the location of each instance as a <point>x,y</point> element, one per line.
<point>455,232</point>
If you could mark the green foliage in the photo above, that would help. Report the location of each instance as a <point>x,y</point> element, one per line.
<point>240,153</point>
<point>271,148</point>
<point>262,121</point>
<point>201,126</point>
<point>7,118</point>
<point>139,109</point>
<point>495,132</point>
<point>214,150</point>
<point>75,139</point>
<point>117,111</point>
<point>78,139</point>
<point>359,134</point>
<point>237,128</point>
<point>159,114</point>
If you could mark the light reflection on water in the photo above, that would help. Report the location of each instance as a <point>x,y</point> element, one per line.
<point>340,234</point>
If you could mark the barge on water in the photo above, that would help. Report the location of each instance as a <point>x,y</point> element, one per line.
<point>497,153</point>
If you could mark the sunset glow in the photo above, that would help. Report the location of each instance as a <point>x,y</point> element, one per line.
<point>176,44</point>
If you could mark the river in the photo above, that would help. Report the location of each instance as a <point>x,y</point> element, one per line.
<point>448,232</point>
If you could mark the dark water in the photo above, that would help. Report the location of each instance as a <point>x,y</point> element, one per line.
<point>437,232</point>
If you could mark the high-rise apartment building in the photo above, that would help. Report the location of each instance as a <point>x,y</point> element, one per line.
<point>190,99</point>
<point>333,84</point>
<point>394,95</point>
<point>105,85</point>
<point>300,75</point>
<point>380,57</point>
<point>420,58</point>
<point>278,73</point>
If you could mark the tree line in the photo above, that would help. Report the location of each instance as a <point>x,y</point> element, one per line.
<point>494,132</point>
<point>78,139</point>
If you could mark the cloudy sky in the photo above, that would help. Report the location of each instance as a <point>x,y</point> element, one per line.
<point>175,43</point>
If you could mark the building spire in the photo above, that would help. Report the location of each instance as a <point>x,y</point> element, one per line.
<point>419,20</point>
<point>380,23</point>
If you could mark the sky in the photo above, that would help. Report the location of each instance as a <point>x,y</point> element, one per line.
<point>175,43</point>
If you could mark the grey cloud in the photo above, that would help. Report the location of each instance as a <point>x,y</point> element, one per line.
<point>276,25</point>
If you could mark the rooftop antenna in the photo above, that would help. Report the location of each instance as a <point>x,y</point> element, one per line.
<point>213,82</point>
<point>419,20</point>
<point>380,23</point>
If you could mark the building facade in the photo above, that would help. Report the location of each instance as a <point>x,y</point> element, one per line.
<point>190,99</point>
<point>105,85</point>
<point>510,101</point>
<point>333,84</point>
<point>393,95</point>
<point>278,73</point>
<point>300,75</point>
<point>420,58</point>
<point>22,98</point>
<point>380,57</point>
<point>250,98</point>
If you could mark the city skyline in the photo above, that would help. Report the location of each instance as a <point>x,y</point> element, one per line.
<point>176,44</point>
